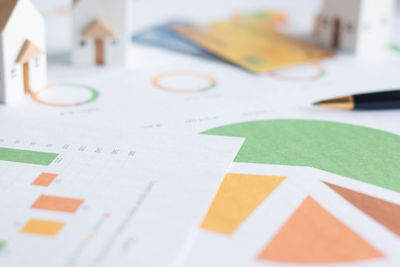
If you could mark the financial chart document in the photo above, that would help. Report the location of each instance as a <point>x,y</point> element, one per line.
<point>88,201</point>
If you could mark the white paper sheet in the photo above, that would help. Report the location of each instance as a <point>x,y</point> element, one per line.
<point>142,195</point>
<point>244,246</point>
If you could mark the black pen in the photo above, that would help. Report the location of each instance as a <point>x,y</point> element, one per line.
<point>371,101</point>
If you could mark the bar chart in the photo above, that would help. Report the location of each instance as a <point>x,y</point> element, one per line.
<point>78,201</point>
<point>53,184</point>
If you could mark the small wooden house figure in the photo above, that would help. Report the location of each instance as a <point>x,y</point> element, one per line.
<point>100,32</point>
<point>358,26</point>
<point>22,50</point>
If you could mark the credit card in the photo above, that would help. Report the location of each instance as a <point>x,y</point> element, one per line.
<point>261,18</point>
<point>256,49</point>
<point>162,36</point>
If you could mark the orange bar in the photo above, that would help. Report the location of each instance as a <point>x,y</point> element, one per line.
<point>42,227</point>
<point>45,179</point>
<point>57,204</point>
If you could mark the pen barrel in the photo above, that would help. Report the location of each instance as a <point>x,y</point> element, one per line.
<point>377,101</point>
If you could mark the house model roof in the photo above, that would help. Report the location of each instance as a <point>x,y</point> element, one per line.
<point>6,9</point>
<point>98,29</point>
<point>29,51</point>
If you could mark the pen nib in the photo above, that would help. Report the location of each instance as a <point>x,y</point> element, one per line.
<point>346,102</point>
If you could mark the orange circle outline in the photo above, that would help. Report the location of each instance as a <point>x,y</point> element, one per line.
<point>321,72</point>
<point>157,79</point>
<point>35,95</point>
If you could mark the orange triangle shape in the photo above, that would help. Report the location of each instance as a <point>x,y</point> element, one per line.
<point>313,235</point>
<point>28,51</point>
<point>384,212</point>
<point>236,199</point>
<point>98,29</point>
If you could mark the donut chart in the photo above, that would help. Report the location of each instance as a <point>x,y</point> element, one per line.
<point>170,82</point>
<point>93,95</point>
<point>319,73</point>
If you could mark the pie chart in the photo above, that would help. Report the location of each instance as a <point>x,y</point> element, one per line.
<point>312,233</point>
<point>360,153</point>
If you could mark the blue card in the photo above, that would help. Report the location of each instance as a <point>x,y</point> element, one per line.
<point>163,36</point>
